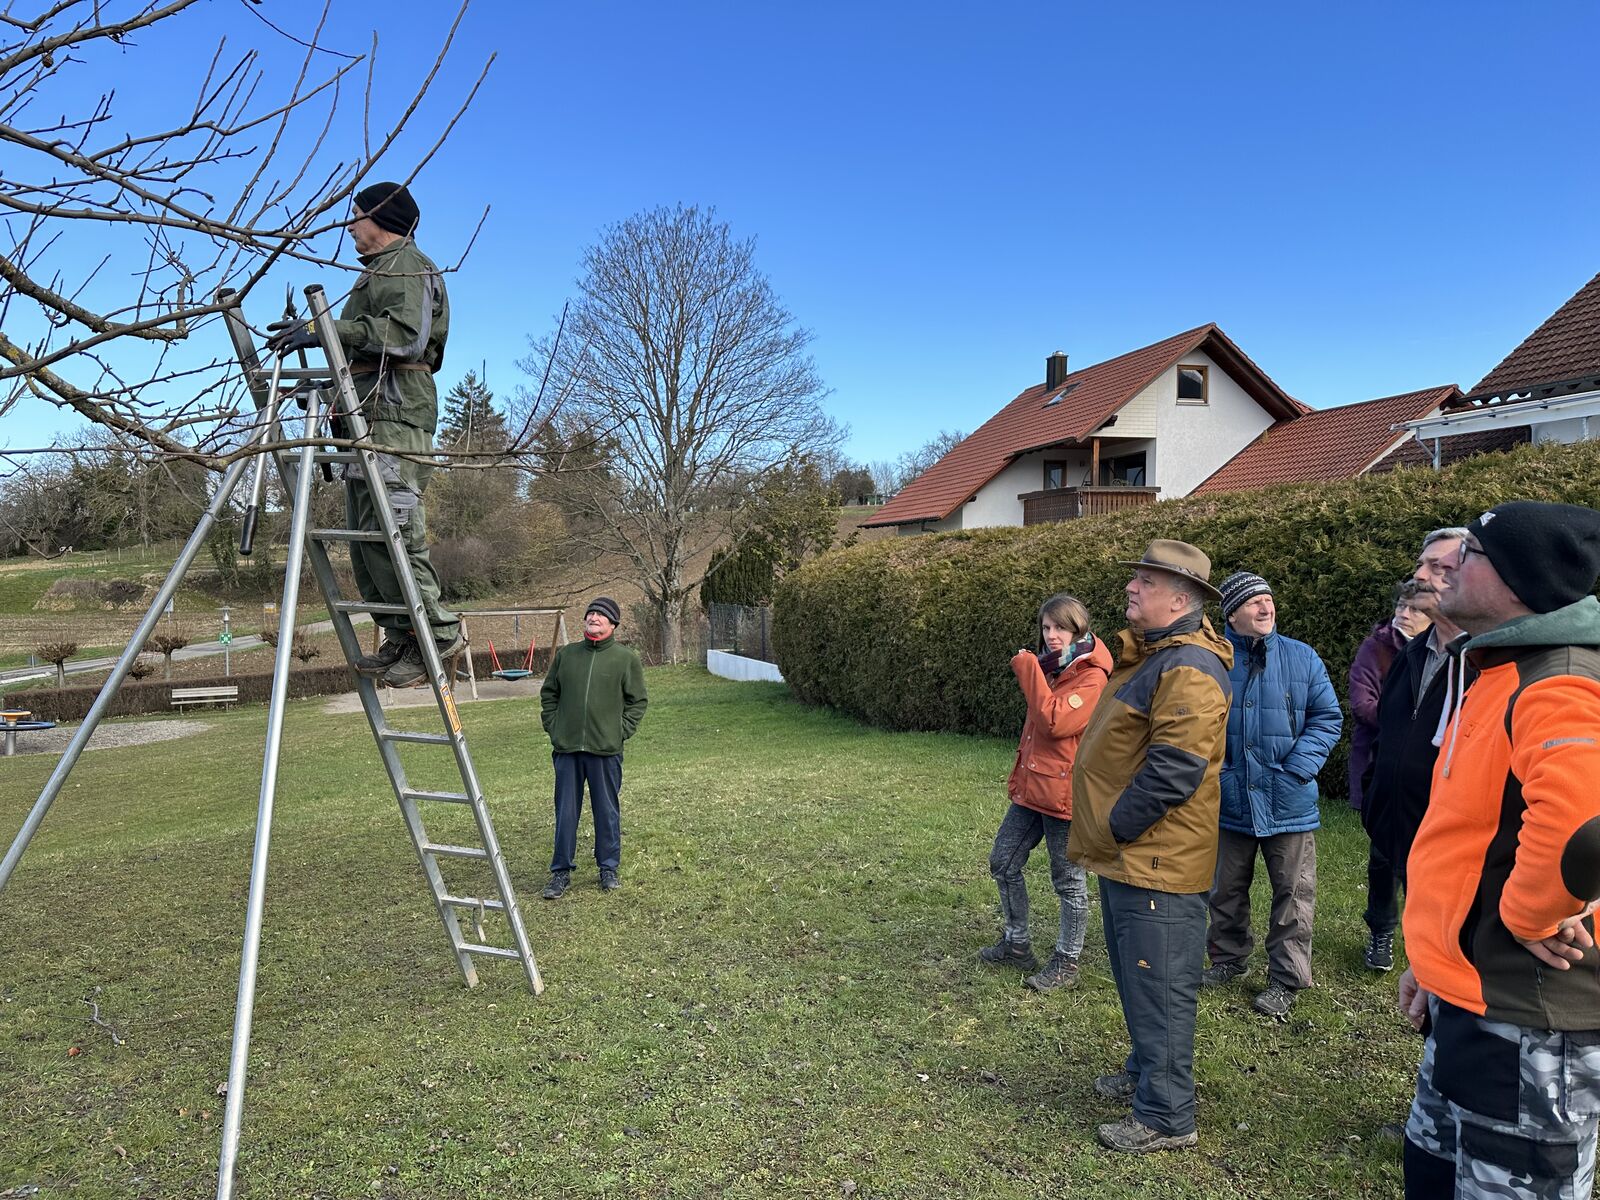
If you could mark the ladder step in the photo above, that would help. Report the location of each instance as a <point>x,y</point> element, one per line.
<point>491,951</point>
<point>337,456</point>
<point>361,606</point>
<point>474,902</point>
<point>437,797</point>
<point>347,535</point>
<point>445,851</point>
<point>425,739</point>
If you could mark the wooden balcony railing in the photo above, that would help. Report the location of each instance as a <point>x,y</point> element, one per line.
<point>1066,504</point>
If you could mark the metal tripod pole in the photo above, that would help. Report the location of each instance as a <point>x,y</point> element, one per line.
<point>238,1063</point>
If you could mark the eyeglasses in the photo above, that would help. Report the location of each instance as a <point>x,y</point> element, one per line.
<point>1466,549</point>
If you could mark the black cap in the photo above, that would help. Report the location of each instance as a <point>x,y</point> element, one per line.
<point>1548,554</point>
<point>390,206</point>
<point>606,607</point>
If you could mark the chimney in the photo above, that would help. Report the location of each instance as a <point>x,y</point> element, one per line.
<point>1055,371</point>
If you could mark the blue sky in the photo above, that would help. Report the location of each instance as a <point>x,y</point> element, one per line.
<point>1369,198</point>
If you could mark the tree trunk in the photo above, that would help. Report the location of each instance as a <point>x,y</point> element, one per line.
<point>167,657</point>
<point>61,674</point>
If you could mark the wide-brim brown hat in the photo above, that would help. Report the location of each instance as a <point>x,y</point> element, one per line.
<point>1178,558</point>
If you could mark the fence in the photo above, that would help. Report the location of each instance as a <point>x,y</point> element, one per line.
<point>741,629</point>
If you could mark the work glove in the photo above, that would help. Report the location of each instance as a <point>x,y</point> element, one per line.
<point>294,334</point>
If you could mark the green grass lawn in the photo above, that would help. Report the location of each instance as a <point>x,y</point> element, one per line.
<point>782,998</point>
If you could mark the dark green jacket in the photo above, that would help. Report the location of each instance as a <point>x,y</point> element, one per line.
<point>397,314</point>
<point>593,697</point>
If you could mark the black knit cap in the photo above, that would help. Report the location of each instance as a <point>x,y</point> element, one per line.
<point>606,607</point>
<point>1239,587</point>
<point>1548,554</point>
<point>390,206</point>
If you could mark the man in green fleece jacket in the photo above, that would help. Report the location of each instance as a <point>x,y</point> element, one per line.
<point>592,701</point>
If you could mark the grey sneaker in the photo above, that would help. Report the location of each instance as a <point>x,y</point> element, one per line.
<point>1059,972</point>
<point>409,671</point>
<point>1275,1001</point>
<point>385,656</point>
<point>1009,954</point>
<point>1379,955</point>
<point>1218,974</point>
<point>1119,1087</point>
<point>560,881</point>
<point>1135,1137</point>
<point>608,879</point>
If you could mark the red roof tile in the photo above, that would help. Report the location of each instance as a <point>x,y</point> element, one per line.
<point>1089,397</point>
<point>1567,346</point>
<point>1328,443</point>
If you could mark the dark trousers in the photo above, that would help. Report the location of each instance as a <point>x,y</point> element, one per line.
<point>1291,860</point>
<point>1156,942</point>
<point>1383,893</point>
<point>603,774</point>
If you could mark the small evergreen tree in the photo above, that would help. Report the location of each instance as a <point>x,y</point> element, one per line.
<point>470,420</point>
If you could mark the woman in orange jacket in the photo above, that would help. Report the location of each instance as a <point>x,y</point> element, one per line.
<point>1060,682</point>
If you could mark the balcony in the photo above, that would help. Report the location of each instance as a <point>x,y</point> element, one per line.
<point>1066,504</point>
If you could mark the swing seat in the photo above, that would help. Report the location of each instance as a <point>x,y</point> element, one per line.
<point>512,674</point>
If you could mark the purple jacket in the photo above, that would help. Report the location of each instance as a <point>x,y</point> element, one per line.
<point>1366,683</point>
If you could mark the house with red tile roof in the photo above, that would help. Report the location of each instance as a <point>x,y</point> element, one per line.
<point>1150,424</point>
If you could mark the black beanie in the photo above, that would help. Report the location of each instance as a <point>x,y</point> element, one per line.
<point>1548,554</point>
<point>1239,587</point>
<point>606,607</point>
<point>390,206</point>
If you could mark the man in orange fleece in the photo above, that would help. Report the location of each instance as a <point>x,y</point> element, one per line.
<point>1504,874</point>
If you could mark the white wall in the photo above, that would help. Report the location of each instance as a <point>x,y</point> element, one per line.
<point>1570,430</point>
<point>1193,440</point>
<point>737,666</point>
<point>997,502</point>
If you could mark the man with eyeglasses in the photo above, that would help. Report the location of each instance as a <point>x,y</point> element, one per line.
<point>1504,875</point>
<point>393,330</point>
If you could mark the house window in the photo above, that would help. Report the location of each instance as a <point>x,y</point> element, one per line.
<point>1061,395</point>
<point>1055,475</point>
<point>1192,385</point>
<point>1126,470</point>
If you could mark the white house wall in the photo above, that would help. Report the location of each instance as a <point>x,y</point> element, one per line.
<point>1570,430</point>
<point>997,503</point>
<point>1193,440</point>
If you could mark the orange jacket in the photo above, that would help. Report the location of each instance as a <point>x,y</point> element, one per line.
<point>1057,713</point>
<point>1510,844</point>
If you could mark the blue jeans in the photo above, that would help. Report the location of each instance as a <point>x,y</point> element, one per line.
<point>1020,831</point>
<point>603,774</point>
<point>1156,942</point>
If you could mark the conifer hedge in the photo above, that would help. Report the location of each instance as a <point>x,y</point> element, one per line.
<point>917,632</point>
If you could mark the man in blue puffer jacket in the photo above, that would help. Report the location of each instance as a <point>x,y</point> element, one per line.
<point>1284,722</point>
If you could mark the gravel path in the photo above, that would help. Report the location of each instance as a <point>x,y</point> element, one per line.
<point>107,737</point>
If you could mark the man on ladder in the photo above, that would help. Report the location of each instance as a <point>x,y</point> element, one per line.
<point>393,328</point>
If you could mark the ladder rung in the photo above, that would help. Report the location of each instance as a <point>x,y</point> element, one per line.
<point>475,902</point>
<point>439,797</point>
<point>337,456</point>
<point>439,848</point>
<point>361,606</point>
<point>348,535</point>
<point>426,739</point>
<point>288,374</point>
<point>491,951</point>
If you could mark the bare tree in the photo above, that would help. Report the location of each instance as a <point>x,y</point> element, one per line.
<point>236,178</point>
<point>57,654</point>
<point>687,368</point>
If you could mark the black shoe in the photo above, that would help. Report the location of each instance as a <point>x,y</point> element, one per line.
<point>608,879</point>
<point>1119,1087</point>
<point>1218,974</point>
<point>1379,955</point>
<point>409,671</point>
<point>385,656</point>
<point>1060,972</point>
<point>1276,1001</point>
<point>560,881</point>
<point>1009,954</point>
<point>448,650</point>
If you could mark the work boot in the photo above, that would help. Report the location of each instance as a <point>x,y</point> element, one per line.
<point>560,881</point>
<point>1276,1001</point>
<point>608,879</point>
<point>1218,974</point>
<point>1135,1137</point>
<point>409,671</point>
<point>1059,972</point>
<point>1380,952</point>
<point>385,656</point>
<point>1009,954</point>
<point>1119,1087</point>
<point>448,650</point>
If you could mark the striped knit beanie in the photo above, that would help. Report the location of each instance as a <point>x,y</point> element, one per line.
<point>1239,587</point>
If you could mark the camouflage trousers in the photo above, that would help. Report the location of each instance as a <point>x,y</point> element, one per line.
<point>1512,1110</point>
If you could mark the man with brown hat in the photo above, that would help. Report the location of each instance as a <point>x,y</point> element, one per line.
<point>393,330</point>
<point>1145,801</point>
<point>1504,876</point>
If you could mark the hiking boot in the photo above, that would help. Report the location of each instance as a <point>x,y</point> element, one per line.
<point>608,879</point>
<point>1276,1001</point>
<point>409,671</point>
<point>448,650</point>
<point>1119,1087</point>
<point>560,881</point>
<point>385,656</point>
<point>1380,952</point>
<point>1059,972</point>
<point>1135,1137</point>
<point>1009,954</point>
<point>1218,974</point>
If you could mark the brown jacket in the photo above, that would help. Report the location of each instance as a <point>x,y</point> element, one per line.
<point>1057,713</point>
<point>1144,785</point>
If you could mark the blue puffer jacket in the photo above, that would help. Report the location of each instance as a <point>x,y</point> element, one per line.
<point>1284,722</point>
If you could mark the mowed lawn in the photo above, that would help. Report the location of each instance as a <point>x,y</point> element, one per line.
<point>781,1001</point>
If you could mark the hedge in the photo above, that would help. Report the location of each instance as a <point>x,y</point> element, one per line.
<point>917,632</point>
<point>155,696</point>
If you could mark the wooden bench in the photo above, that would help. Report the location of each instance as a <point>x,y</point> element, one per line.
<point>222,694</point>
